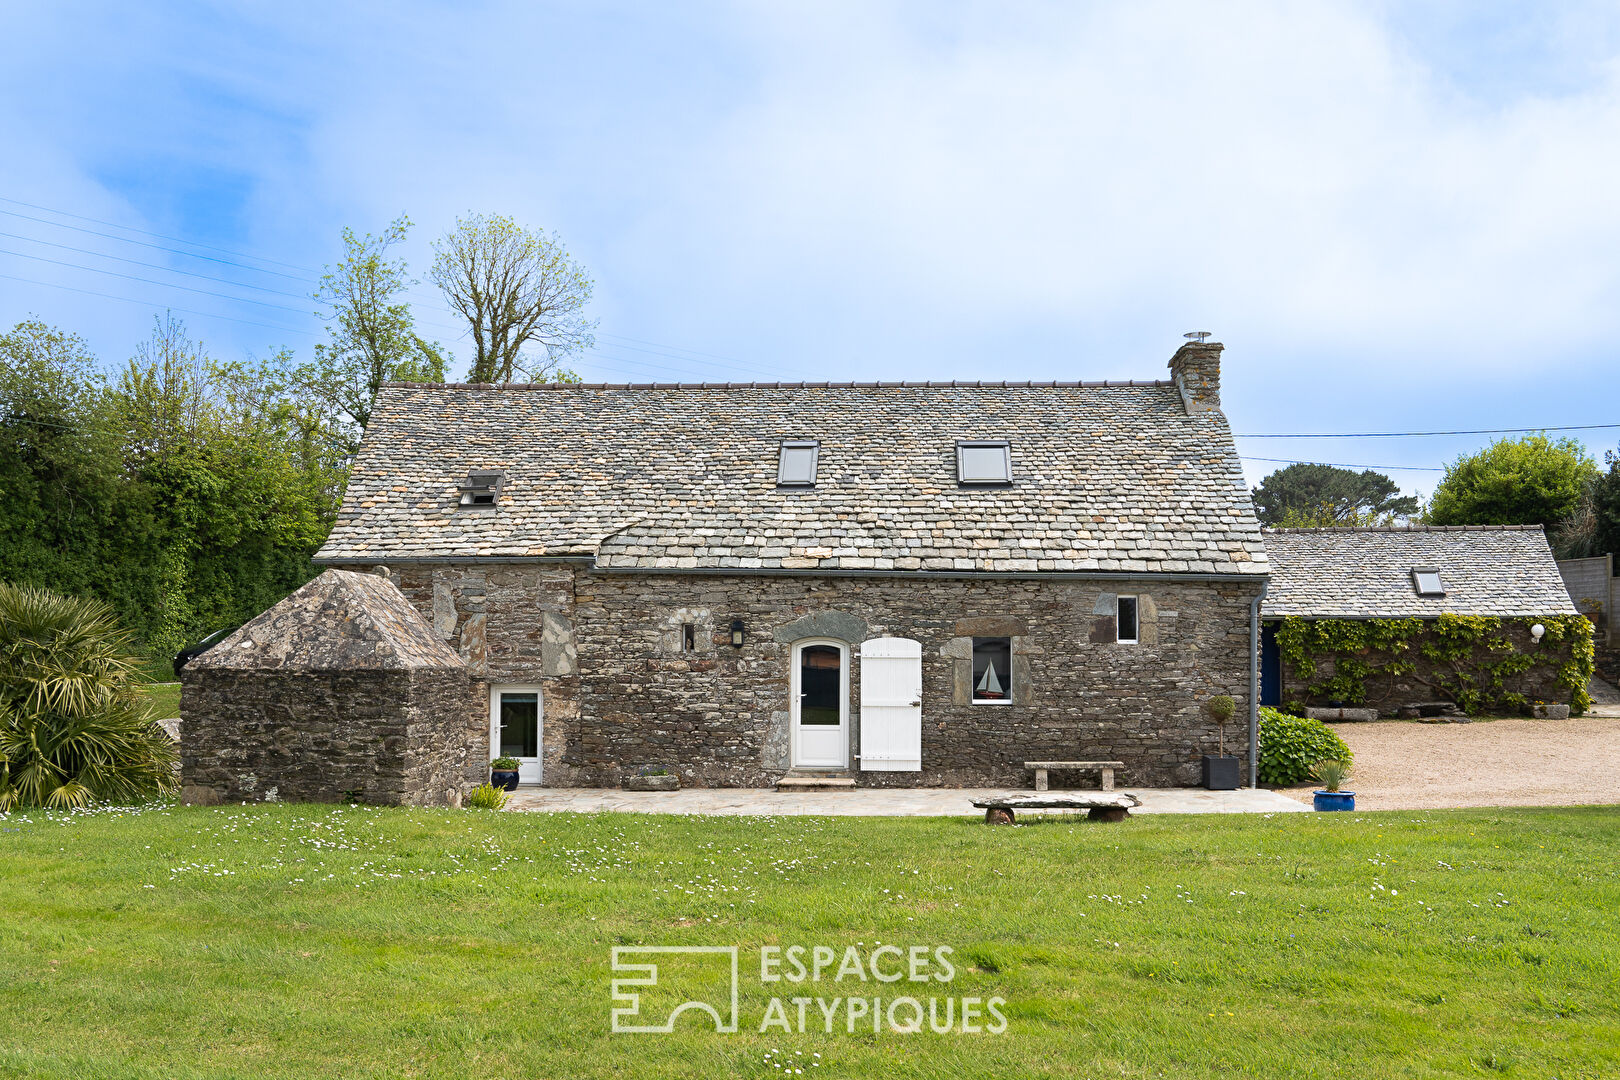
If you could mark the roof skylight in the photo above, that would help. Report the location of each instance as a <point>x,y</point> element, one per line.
<point>797,465</point>
<point>987,462</point>
<point>1426,580</point>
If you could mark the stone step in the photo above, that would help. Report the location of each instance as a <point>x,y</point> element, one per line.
<point>815,782</point>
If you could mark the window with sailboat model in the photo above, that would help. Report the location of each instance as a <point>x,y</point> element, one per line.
<point>992,671</point>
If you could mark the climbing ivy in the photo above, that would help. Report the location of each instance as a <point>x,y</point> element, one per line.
<point>1470,657</point>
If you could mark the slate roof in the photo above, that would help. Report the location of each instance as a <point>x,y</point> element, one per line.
<point>1107,477</point>
<point>340,621</point>
<point>1367,573</point>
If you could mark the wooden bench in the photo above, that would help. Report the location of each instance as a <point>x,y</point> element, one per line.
<point>1107,768</point>
<point>1002,809</point>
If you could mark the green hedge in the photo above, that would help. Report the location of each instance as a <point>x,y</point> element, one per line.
<point>1290,746</point>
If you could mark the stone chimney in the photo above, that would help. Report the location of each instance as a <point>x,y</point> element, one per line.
<point>1196,368</point>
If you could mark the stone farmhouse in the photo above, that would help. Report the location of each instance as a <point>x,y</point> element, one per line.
<point>1415,575</point>
<point>903,583</point>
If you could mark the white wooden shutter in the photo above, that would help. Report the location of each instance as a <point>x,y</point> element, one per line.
<point>891,705</point>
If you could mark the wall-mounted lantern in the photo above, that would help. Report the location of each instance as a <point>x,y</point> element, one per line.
<point>736,633</point>
<point>1536,631</point>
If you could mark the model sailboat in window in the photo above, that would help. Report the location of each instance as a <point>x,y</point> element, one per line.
<point>990,686</point>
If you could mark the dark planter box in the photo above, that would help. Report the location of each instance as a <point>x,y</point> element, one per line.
<point>1222,773</point>
<point>504,779</point>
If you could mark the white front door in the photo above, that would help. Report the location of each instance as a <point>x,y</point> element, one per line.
<point>891,705</point>
<point>515,724</point>
<point>820,705</point>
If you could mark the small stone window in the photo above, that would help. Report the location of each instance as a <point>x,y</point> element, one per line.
<point>1126,621</point>
<point>992,671</point>
<point>797,465</point>
<point>987,462</point>
<point>688,637</point>
<point>1426,580</point>
<point>481,489</point>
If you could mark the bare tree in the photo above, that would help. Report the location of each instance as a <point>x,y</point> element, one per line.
<point>521,295</point>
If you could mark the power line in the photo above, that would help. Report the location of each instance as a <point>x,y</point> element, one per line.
<point>160,247</point>
<point>673,352</point>
<point>159,284</point>
<point>152,266</point>
<point>1415,434</point>
<point>1343,465</point>
<point>421,299</point>
<point>157,307</point>
<point>143,232</point>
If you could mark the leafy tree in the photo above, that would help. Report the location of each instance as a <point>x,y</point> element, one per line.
<point>1606,503</point>
<point>1533,480</point>
<point>66,512</point>
<point>188,495</point>
<point>1305,495</point>
<point>374,339</point>
<point>517,288</point>
<point>72,728</point>
<point>1593,528</point>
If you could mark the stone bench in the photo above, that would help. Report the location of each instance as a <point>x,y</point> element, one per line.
<point>1002,810</point>
<point>1106,767</point>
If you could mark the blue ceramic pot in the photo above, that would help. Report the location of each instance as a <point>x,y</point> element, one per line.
<point>1335,800</point>
<point>504,779</point>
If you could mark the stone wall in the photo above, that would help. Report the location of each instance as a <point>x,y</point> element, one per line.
<point>1591,585</point>
<point>511,623</point>
<point>621,691</point>
<point>1388,692</point>
<point>384,737</point>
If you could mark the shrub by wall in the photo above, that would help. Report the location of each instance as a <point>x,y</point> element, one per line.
<point>1290,747</point>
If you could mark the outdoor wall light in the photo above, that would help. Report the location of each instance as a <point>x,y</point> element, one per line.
<point>1536,631</point>
<point>736,633</point>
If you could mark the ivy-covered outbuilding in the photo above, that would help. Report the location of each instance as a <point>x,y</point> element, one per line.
<point>1394,617</point>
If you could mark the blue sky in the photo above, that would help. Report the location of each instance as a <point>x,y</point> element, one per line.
<point>1396,216</point>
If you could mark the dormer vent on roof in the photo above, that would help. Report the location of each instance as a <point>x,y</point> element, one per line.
<point>481,488</point>
<point>984,462</point>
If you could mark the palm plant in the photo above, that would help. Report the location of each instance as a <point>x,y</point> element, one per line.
<point>1331,774</point>
<point>72,727</point>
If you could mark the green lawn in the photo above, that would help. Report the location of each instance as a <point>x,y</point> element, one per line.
<point>164,697</point>
<point>303,941</point>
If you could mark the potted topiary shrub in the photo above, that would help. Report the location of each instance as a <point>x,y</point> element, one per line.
<point>1221,771</point>
<point>1332,775</point>
<point>503,773</point>
<point>653,779</point>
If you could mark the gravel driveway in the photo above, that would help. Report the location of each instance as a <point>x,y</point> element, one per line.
<point>1406,765</point>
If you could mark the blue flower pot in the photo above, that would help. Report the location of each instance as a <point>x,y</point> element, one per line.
<point>506,780</point>
<point>1335,800</point>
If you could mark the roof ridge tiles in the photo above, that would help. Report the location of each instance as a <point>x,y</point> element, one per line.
<point>1032,384</point>
<point>1404,529</point>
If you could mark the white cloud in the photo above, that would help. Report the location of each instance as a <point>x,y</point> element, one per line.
<point>1356,201</point>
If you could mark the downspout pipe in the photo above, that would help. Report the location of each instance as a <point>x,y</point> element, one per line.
<point>1254,686</point>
